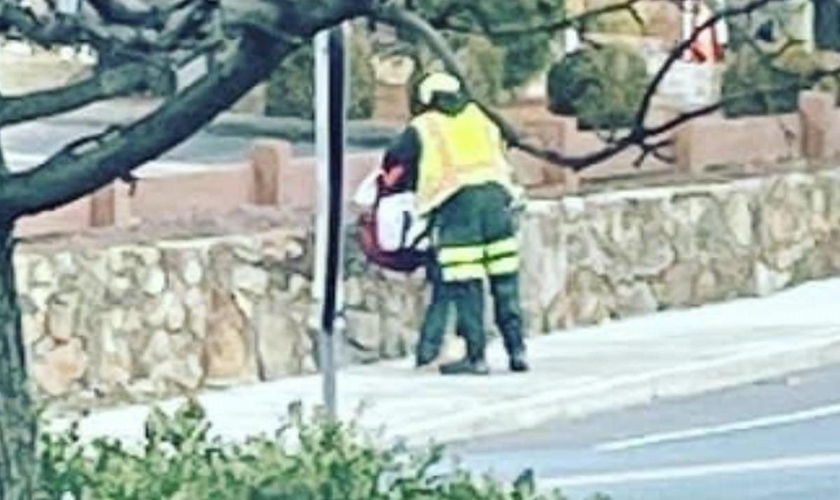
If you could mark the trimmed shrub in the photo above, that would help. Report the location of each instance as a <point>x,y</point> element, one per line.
<point>307,461</point>
<point>616,23</point>
<point>754,85</point>
<point>484,66</point>
<point>291,88</point>
<point>523,56</point>
<point>601,87</point>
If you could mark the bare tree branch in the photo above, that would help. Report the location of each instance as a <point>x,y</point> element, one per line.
<point>4,169</point>
<point>108,83</point>
<point>638,134</point>
<point>445,21</point>
<point>711,108</point>
<point>293,18</point>
<point>192,19</point>
<point>92,163</point>
<point>654,149</point>
<point>115,11</point>
<point>400,17</point>
<point>42,32</point>
<point>267,29</point>
<point>678,51</point>
<point>53,29</point>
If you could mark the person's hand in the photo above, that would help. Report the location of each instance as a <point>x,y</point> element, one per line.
<point>519,201</point>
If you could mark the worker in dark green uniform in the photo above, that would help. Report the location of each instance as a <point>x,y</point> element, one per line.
<point>452,156</point>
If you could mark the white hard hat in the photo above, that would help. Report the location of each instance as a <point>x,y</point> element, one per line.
<point>437,82</point>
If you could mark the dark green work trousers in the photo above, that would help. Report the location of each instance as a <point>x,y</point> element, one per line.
<point>437,316</point>
<point>474,237</point>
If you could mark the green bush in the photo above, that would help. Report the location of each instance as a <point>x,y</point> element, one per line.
<point>524,55</point>
<point>753,85</point>
<point>602,87</point>
<point>616,23</point>
<point>306,461</point>
<point>483,65</point>
<point>291,89</point>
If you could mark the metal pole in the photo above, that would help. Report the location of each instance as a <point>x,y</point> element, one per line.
<point>330,97</point>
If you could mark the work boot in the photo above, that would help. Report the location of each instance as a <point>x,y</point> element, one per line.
<point>465,367</point>
<point>424,366</point>
<point>518,363</point>
<point>422,361</point>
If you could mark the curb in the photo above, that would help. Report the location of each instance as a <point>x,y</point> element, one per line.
<point>622,392</point>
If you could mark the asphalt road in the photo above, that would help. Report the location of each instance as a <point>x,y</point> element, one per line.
<point>26,145</point>
<point>778,440</point>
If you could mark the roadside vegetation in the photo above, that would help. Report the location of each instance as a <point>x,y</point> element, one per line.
<point>308,459</point>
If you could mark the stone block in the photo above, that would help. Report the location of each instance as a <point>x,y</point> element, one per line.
<point>61,367</point>
<point>268,158</point>
<point>816,111</point>
<point>281,338</point>
<point>228,349</point>
<point>364,331</point>
<point>250,279</point>
<point>768,280</point>
<point>635,299</point>
<point>62,316</point>
<point>111,206</point>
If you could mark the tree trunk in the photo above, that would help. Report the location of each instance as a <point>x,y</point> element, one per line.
<point>18,423</point>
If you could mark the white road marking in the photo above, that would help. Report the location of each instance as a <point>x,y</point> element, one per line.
<point>702,432</point>
<point>695,471</point>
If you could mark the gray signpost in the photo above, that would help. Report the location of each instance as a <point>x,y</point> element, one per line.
<point>330,96</point>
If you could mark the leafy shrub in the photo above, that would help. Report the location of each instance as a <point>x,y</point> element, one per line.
<point>524,55</point>
<point>616,23</point>
<point>756,85</point>
<point>291,88</point>
<point>602,87</point>
<point>307,461</point>
<point>483,66</point>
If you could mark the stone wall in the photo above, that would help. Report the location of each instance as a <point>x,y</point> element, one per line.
<point>620,254</point>
<point>141,320</point>
<point>149,319</point>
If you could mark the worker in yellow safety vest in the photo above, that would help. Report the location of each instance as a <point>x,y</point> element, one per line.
<point>453,157</point>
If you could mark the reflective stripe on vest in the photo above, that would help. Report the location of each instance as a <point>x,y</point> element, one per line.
<point>457,151</point>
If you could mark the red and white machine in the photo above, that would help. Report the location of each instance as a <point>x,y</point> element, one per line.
<point>708,47</point>
<point>390,232</point>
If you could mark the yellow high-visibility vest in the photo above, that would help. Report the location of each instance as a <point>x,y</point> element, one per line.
<point>457,151</point>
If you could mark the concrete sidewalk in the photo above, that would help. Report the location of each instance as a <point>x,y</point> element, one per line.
<point>575,373</point>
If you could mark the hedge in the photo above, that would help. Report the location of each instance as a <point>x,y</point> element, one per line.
<point>602,87</point>
<point>755,84</point>
<point>307,460</point>
<point>291,88</point>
